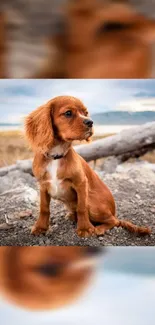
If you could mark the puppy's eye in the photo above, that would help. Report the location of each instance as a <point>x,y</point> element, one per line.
<point>112,27</point>
<point>68,113</point>
<point>49,270</point>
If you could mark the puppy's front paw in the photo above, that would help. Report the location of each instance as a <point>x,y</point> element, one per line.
<point>38,229</point>
<point>86,232</point>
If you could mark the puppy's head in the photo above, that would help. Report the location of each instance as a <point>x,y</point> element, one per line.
<point>45,277</point>
<point>63,118</point>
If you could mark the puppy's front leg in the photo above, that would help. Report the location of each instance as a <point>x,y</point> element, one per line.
<point>42,224</point>
<point>84,226</point>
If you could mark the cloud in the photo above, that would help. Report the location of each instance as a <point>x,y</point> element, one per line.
<point>19,97</point>
<point>138,104</point>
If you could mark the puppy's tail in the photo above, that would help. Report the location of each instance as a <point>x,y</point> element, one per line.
<point>133,228</point>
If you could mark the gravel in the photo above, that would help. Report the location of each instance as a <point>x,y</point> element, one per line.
<point>133,188</point>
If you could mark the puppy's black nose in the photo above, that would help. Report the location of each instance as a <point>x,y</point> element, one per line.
<point>88,122</point>
<point>93,250</point>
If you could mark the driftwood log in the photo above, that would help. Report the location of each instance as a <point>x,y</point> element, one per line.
<point>133,142</point>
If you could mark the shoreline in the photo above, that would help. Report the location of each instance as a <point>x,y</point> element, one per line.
<point>107,129</point>
<point>98,129</point>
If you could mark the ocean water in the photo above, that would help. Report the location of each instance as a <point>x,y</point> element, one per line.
<point>5,127</point>
<point>106,129</point>
<point>98,129</point>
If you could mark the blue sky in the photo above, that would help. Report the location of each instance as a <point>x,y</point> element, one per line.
<point>18,96</point>
<point>119,295</point>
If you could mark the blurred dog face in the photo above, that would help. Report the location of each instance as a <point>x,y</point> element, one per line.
<point>96,18</point>
<point>45,277</point>
<point>107,40</point>
<point>64,118</point>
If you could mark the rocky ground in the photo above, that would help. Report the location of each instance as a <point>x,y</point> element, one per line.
<point>133,186</point>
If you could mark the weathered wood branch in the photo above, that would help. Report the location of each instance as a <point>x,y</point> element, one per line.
<point>141,138</point>
<point>133,142</point>
<point>137,153</point>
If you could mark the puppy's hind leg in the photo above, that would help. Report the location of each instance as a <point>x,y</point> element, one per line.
<point>104,217</point>
<point>108,222</point>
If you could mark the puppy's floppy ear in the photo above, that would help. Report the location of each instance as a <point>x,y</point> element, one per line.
<point>39,129</point>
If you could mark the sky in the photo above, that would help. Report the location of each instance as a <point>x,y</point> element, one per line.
<point>120,295</point>
<point>18,97</point>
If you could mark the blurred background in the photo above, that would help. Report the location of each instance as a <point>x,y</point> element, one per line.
<point>31,30</point>
<point>123,293</point>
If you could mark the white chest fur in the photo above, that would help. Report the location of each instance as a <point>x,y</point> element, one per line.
<point>55,188</point>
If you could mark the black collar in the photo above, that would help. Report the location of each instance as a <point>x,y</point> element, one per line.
<point>57,157</point>
<point>47,155</point>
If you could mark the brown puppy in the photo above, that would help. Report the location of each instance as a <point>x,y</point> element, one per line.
<point>106,40</point>
<point>66,176</point>
<point>45,277</point>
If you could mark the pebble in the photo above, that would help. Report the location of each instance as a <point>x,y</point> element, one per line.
<point>48,242</point>
<point>5,226</point>
<point>55,226</point>
<point>24,214</point>
<point>41,242</point>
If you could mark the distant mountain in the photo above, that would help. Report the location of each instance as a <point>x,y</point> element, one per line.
<point>123,117</point>
<point>113,118</point>
<point>10,124</point>
<point>144,94</point>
